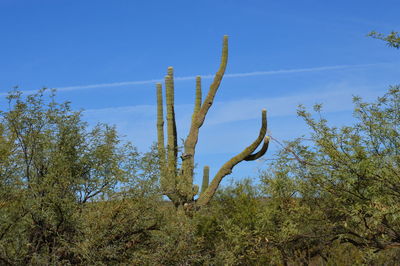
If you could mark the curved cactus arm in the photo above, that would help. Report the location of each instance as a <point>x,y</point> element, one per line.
<point>194,129</point>
<point>192,138</point>
<point>171,124</point>
<point>226,169</point>
<point>261,152</point>
<point>214,85</point>
<point>206,177</point>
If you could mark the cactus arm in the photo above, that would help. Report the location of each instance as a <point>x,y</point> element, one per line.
<point>160,122</point>
<point>197,103</point>
<point>171,74</point>
<point>160,138</point>
<point>213,88</point>
<point>206,175</point>
<point>260,153</point>
<point>191,140</point>
<point>171,124</point>
<point>226,169</point>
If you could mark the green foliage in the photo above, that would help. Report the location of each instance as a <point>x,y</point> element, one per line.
<point>338,188</point>
<point>392,39</point>
<point>228,227</point>
<point>119,230</point>
<point>51,167</point>
<point>358,167</point>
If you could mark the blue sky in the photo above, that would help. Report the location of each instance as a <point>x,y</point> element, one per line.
<point>105,55</point>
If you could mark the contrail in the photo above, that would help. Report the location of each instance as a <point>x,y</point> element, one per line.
<point>234,75</point>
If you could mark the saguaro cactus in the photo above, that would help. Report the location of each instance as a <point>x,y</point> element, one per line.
<point>176,183</point>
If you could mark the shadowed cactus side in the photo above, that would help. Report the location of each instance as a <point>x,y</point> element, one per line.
<point>176,183</point>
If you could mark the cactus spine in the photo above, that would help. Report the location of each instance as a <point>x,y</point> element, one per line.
<point>176,183</point>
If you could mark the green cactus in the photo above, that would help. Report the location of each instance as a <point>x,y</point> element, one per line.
<point>176,183</point>
<point>206,177</point>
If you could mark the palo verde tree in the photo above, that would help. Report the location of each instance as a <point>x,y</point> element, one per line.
<point>51,167</point>
<point>392,39</point>
<point>176,183</point>
<point>349,174</point>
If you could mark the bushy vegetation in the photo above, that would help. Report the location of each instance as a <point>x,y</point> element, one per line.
<point>70,194</point>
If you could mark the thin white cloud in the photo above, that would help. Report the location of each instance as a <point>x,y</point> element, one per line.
<point>336,97</point>
<point>297,70</point>
<point>233,75</point>
<point>132,109</point>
